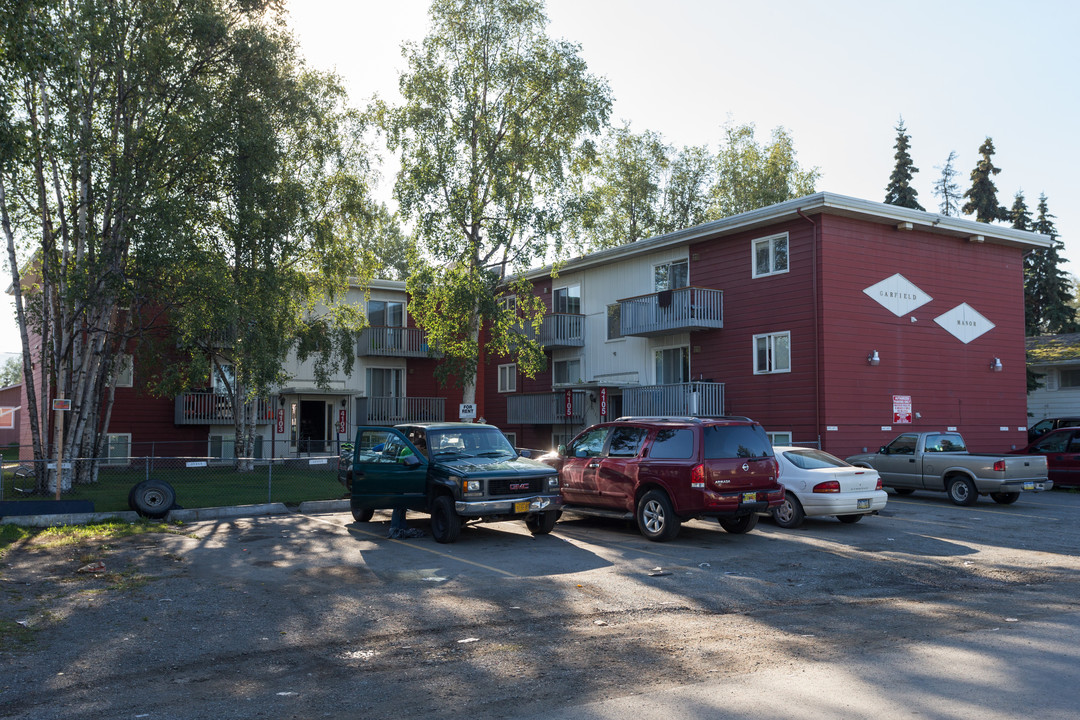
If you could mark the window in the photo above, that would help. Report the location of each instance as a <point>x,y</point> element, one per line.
<point>222,378</point>
<point>736,441</point>
<point>673,444</point>
<point>770,255</point>
<point>1069,378</point>
<point>509,302</point>
<point>223,447</point>
<point>903,445</point>
<point>562,439</point>
<point>568,300</point>
<point>117,449</point>
<point>779,438</point>
<point>772,353</point>
<point>672,366</point>
<point>508,378</point>
<point>671,276</point>
<point>614,318</point>
<point>125,375</point>
<point>382,313</point>
<point>626,441</point>
<point>384,382</point>
<point>566,372</point>
<point>511,437</point>
<point>589,444</point>
<point>7,418</point>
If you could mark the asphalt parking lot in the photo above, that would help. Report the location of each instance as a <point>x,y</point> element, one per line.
<point>317,616</point>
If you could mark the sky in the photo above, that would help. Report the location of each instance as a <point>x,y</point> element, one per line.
<point>837,74</point>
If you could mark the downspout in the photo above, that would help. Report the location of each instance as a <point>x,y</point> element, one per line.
<point>817,327</point>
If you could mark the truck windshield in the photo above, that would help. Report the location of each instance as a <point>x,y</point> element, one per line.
<point>469,442</point>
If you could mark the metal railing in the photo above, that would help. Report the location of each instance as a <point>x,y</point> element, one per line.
<point>393,342</point>
<point>683,309</point>
<point>395,410</point>
<point>205,407</point>
<point>545,409</point>
<point>701,399</point>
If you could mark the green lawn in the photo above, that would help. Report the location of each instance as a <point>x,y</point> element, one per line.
<point>206,486</point>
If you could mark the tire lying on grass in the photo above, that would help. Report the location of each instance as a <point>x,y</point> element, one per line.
<point>152,498</point>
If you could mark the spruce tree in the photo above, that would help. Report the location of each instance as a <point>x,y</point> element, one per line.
<point>899,191</point>
<point>1019,214</point>
<point>982,195</point>
<point>945,187</point>
<point>1052,292</point>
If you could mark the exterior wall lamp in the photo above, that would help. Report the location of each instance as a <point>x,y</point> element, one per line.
<point>996,365</point>
<point>873,358</point>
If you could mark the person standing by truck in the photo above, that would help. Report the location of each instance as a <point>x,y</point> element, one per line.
<point>399,527</point>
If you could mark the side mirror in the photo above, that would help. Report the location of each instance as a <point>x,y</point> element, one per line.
<point>884,449</point>
<point>410,461</point>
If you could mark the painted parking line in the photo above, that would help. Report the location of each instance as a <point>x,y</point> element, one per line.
<point>412,545</point>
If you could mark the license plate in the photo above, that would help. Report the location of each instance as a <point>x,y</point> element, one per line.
<point>749,497</point>
<point>864,504</point>
<point>521,507</point>
<point>1029,486</point>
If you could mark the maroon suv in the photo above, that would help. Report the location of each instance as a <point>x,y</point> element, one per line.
<point>662,471</point>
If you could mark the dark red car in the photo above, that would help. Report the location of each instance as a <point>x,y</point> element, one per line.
<point>662,471</point>
<point>1062,450</point>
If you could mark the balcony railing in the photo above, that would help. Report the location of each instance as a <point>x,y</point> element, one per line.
<point>395,410</point>
<point>545,409</point>
<point>684,309</point>
<point>393,342</point>
<point>694,399</point>
<point>562,330</point>
<point>210,408</point>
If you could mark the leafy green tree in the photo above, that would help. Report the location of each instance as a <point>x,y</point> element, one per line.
<point>946,187</point>
<point>385,250</point>
<point>982,195</point>
<point>495,117</point>
<point>1048,289</point>
<point>899,191</point>
<point>685,196</point>
<point>625,205</point>
<point>11,371</point>
<point>750,176</point>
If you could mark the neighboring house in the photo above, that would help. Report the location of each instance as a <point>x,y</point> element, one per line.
<point>10,414</point>
<point>833,321</point>
<point>1055,360</point>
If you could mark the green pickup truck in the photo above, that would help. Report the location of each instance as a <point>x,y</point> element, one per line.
<point>456,472</point>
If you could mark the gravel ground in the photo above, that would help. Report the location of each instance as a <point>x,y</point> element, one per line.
<point>315,616</point>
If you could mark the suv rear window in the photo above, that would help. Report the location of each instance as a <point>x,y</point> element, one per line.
<point>736,441</point>
<point>673,444</point>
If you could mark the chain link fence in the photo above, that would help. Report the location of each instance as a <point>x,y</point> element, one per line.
<point>199,480</point>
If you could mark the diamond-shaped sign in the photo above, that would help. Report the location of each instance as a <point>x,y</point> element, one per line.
<point>898,295</point>
<point>964,323</point>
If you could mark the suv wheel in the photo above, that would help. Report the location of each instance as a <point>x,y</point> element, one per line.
<point>656,518</point>
<point>739,525</point>
<point>445,522</point>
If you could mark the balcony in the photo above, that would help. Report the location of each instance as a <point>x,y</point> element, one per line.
<point>693,399</point>
<point>545,409</point>
<point>203,407</point>
<point>396,410</point>
<point>669,311</point>
<point>384,341</point>
<point>562,330</point>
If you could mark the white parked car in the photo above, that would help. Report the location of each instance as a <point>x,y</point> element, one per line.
<point>817,483</point>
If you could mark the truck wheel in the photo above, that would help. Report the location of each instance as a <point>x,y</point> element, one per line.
<point>850,519</point>
<point>445,522</point>
<point>739,525</point>
<point>152,498</point>
<point>542,523</point>
<point>903,491</point>
<point>362,514</point>
<point>1005,498</point>
<point>962,491</point>
<point>656,518</point>
<point>788,514</point>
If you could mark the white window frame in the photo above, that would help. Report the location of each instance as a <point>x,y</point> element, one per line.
<point>779,437</point>
<point>1066,380</point>
<point>668,264</point>
<point>566,288</point>
<point>509,302</point>
<point>771,340</point>
<point>508,378</point>
<point>658,351</point>
<point>511,437</point>
<point>125,377</point>
<point>771,240</point>
<point>107,458</point>
<point>607,322</point>
<point>570,380</point>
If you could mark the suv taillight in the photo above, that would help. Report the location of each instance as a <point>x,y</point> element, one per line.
<point>697,476</point>
<point>830,486</point>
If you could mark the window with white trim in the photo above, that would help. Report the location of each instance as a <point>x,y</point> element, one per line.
<point>672,365</point>
<point>614,318</point>
<point>779,438</point>
<point>511,437</point>
<point>772,353</point>
<point>508,378</point>
<point>566,372</point>
<point>671,276</point>
<point>568,300</point>
<point>117,449</point>
<point>125,374</point>
<point>770,255</point>
<point>1068,379</point>
<point>508,302</point>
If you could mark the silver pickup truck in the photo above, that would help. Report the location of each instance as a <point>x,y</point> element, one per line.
<point>940,461</point>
